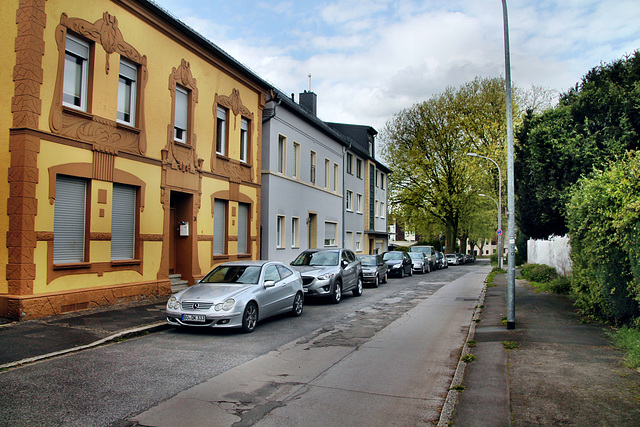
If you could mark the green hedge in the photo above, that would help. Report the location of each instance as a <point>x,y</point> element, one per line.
<point>539,273</point>
<point>604,226</point>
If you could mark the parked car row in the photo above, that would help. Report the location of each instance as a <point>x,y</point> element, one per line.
<point>242,293</point>
<point>459,259</point>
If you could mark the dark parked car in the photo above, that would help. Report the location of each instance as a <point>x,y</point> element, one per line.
<point>420,263</point>
<point>441,261</point>
<point>461,258</point>
<point>398,262</point>
<point>429,253</point>
<point>468,258</point>
<point>329,273</point>
<point>374,269</point>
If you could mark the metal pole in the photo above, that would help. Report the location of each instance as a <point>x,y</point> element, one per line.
<point>499,205</point>
<point>511,273</point>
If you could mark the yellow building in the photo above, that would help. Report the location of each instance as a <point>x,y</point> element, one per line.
<point>132,150</point>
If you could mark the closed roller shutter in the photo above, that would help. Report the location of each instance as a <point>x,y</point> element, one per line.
<point>123,222</point>
<point>243,227</point>
<point>219,226</point>
<point>69,220</point>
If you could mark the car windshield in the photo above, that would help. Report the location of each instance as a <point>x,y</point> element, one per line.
<point>368,260</point>
<point>416,255</point>
<point>392,255</point>
<point>241,274</point>
<point>324,258</point>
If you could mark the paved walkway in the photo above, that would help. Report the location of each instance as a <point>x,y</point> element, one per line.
<point>562,372</point>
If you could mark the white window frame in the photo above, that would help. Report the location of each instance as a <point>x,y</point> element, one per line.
<point>350,163</point>
<point>330,233</point>
<point>359,203</point>
<point>336,177</point>
<point>312,168</point>
<point>181,115</point>
<point>359,168</point>
<point>295,232</point>
<point>295,164</point>
<point>221,130</point>
<point>349,201</point>
<point>244,140</point>
<point>358,242</point>
<point>281,154</point>
<point>76,73</point>
<point>327,174</point>
<point>127,92</point>
<point>280,221</point>
<point>382,210</point>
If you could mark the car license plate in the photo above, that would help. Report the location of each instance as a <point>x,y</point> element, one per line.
<point>193,318</point>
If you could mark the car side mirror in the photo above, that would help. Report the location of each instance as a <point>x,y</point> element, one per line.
<point>269,284</point>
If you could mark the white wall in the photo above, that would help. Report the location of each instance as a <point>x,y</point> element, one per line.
<point>553,252</point>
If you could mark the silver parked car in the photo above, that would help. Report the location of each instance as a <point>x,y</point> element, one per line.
<point>452,259</point>
<point>420,262</point>
<point>329,273</point>
<point>238,294</point>
<point>374,269</point>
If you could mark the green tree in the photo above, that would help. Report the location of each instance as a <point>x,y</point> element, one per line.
<point>593,123</point>
<point>434,184</point>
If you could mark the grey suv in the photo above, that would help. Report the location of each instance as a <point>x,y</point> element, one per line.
<point>329,273</point>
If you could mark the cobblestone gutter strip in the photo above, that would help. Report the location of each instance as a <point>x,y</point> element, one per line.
<point>446,414</point>
<point>129,333</point>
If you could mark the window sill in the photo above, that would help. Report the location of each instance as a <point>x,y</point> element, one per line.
<point>122,262</point>
<point>71,265</point>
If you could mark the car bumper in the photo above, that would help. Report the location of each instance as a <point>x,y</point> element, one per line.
<point>231,319</point>
<point>317,288</point>
<point>369,279</point>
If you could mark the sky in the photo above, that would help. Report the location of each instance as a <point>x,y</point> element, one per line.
<point>370,59</point>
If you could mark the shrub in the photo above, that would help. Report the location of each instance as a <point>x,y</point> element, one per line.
<point>604,225</point>
<point>539,273</point>
<point>561,285</point>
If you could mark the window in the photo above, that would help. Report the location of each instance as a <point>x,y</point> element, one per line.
<point>377,179</point>
<point>382,180</point>
<point>382,210</point>
<point>330,229</point>
<point>349,242</point>
<point>359,168</point>
<point>244,140</point>
<point>349,202</point>
<point>243,228</point>
<point>221,131</point>
<point>219,227</point>
<point>336,177</point>
<point>296,160</point>
<point>281,153</point>
<point>358,242</point>
<point>271,274</point>
<point>359,203</point>
<point>376,209</point>
<point>69,219</point>
<point>76,73</point>
<point>181,115</point>
<point>312,171</point>
<point>350,163</point>
<point>279,232</point>
<point>295,232</point>
<point>127,92</point>
<point>327,176</point>
<point>123,222</point>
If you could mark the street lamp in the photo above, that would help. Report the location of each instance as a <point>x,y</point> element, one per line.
<point>500,250</point>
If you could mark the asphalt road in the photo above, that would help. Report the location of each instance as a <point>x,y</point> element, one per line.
<point>107,385</point>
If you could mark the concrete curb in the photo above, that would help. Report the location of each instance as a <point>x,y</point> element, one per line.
<point>128,333</point>
<point>446,414</point>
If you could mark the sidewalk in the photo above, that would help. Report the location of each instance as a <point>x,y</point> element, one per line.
<point>32,340</point>
<point>563,371</point>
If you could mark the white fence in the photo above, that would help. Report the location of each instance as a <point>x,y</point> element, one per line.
<point>553,252</point>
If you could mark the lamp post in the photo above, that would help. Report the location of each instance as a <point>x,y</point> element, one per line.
<point>511,273</point>
<point>500,250</point>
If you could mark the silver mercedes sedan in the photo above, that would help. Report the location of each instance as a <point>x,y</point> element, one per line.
<point>238,295</point>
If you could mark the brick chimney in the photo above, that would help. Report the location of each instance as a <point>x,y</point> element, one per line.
<point>309,101</point>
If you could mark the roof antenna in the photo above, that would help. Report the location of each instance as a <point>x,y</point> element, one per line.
<point>309,82</point>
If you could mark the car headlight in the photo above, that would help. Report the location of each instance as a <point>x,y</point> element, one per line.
<point>397,266</point>
<point>173,303</point>
<point>226,305</point>
<point>326,276</point>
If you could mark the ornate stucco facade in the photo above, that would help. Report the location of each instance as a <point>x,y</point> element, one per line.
<point>186,145</point>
